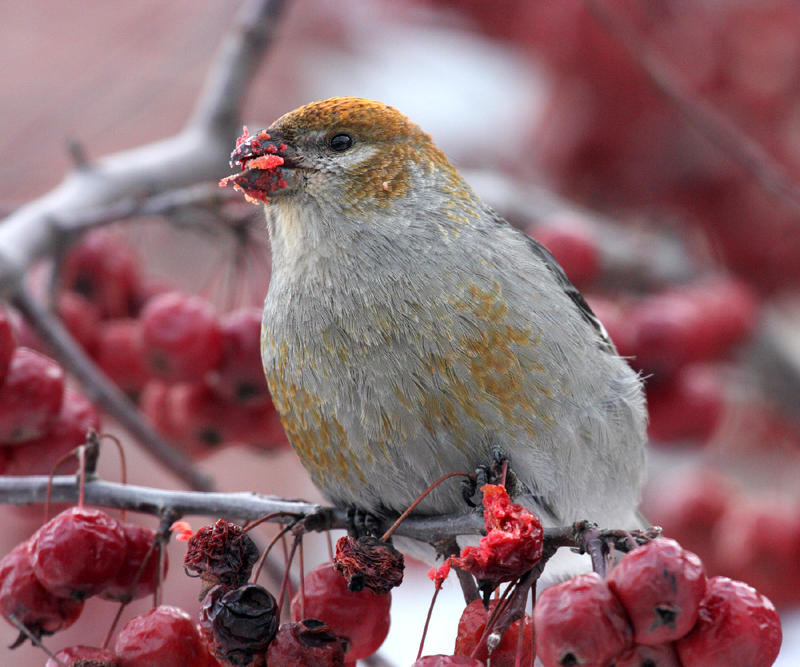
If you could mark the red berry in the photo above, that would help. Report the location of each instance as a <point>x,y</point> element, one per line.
<point>640,655</point>
<point>580,622</point>
<point>689,406</point>
<point>37,457</point>
<point>660,585</point>
<point>7,344</point>
<point>572,242</point>
<point>81,318</point>
<point>83,656</point>
<point>138,546</point>
<point>307,643</point>
<point>239,377</point>
<point>442,660</point>
<point>736,627</point>
<point>78,552</point>
<point>182,338</point>
<point>120,353</point>
<point>362,618</point>
<point>22,596</point>
<point>103,268</point>
<point>165,636</point>
<point>30,398</point>
<point>470,630</point>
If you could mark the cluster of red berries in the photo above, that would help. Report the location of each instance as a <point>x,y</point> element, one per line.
<point>197,376</point>
<point>738,534</point>
<point>239,621</point>
<point>40,420</point>
<point>79,553</point>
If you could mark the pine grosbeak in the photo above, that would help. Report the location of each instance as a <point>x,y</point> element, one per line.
<point>409,331</point>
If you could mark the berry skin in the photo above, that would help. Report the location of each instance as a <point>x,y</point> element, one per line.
<point>182,337</point>
<point>448,660</point>
<point>660,585</point>
<point>138,542</point>
<point>640,655</point>
<point>307,643</point>
<point>362,618</point>
<point>7,344</point>
<point>102,268</point>
<point>239,376</point>
<point>165,636</point>
<point>736,627</point>
<point>120,353</point>
<point>30,398</point>
<point>22,596</point>
<point>81,318</point>
<point>78,552</point>
<point>37,457</point>
<point>580,622</point>
<point>470,629</point>
<point>83,656</point>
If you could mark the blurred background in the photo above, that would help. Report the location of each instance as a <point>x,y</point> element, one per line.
<point>653,147</point>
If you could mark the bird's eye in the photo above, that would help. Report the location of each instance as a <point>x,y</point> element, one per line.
<point>340,142</point>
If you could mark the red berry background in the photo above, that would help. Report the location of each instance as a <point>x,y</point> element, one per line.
<point>688,259</point>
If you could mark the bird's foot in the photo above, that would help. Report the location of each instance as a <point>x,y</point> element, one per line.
<point>360,523</point>
<point>496,472</point>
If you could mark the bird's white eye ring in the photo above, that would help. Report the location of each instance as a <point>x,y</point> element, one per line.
<point>340,142</point>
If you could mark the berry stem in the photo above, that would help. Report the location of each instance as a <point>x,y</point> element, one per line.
<point>427,621</point>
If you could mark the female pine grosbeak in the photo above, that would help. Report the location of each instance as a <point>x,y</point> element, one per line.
<point>410,332</point>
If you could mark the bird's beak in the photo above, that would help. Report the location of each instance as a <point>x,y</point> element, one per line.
<point>263,159</point>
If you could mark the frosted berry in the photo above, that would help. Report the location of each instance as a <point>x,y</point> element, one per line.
<point>239,376</point>
<point>736,627</point>
<point>362,618</point>
<point>307,643</point>
<point>103,268</point>
<point>30,397</point>
<point>83,656</point>
<point>125,586</point>
<point>78,552</point>
<point>37,457</point>
<point>182,337</point>
<point>580,622</point>
<point>660,585</point>
<point>641,655</point>
<point>120,353</point>
<point>471,626</point>
<point>165,636</point>
<point>22,596</point>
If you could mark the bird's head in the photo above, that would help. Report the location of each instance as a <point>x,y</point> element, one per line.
<point>345,155</point>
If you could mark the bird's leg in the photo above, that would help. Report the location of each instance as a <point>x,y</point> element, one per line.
<point>360,523</point>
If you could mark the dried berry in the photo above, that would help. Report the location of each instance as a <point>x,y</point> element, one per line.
<point>580,622</point>
<point>30,397</point>
<point>736,626</point>
<point>83,656</point>
<point>24,598</point>
<point>306,643</point>
<point>221,554</point>
<point>660,585</point>
<point>78,552</point>
<point>239,624</point>
<point>362,618</point>
<point>133,581</point>
<point>165,636</point>
<point>471,627</point>
<point>366,562</point>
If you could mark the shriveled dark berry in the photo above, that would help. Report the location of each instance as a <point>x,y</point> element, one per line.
<point>221,554</point>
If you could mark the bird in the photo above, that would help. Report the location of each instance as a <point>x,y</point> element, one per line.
<point>409,331</point>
